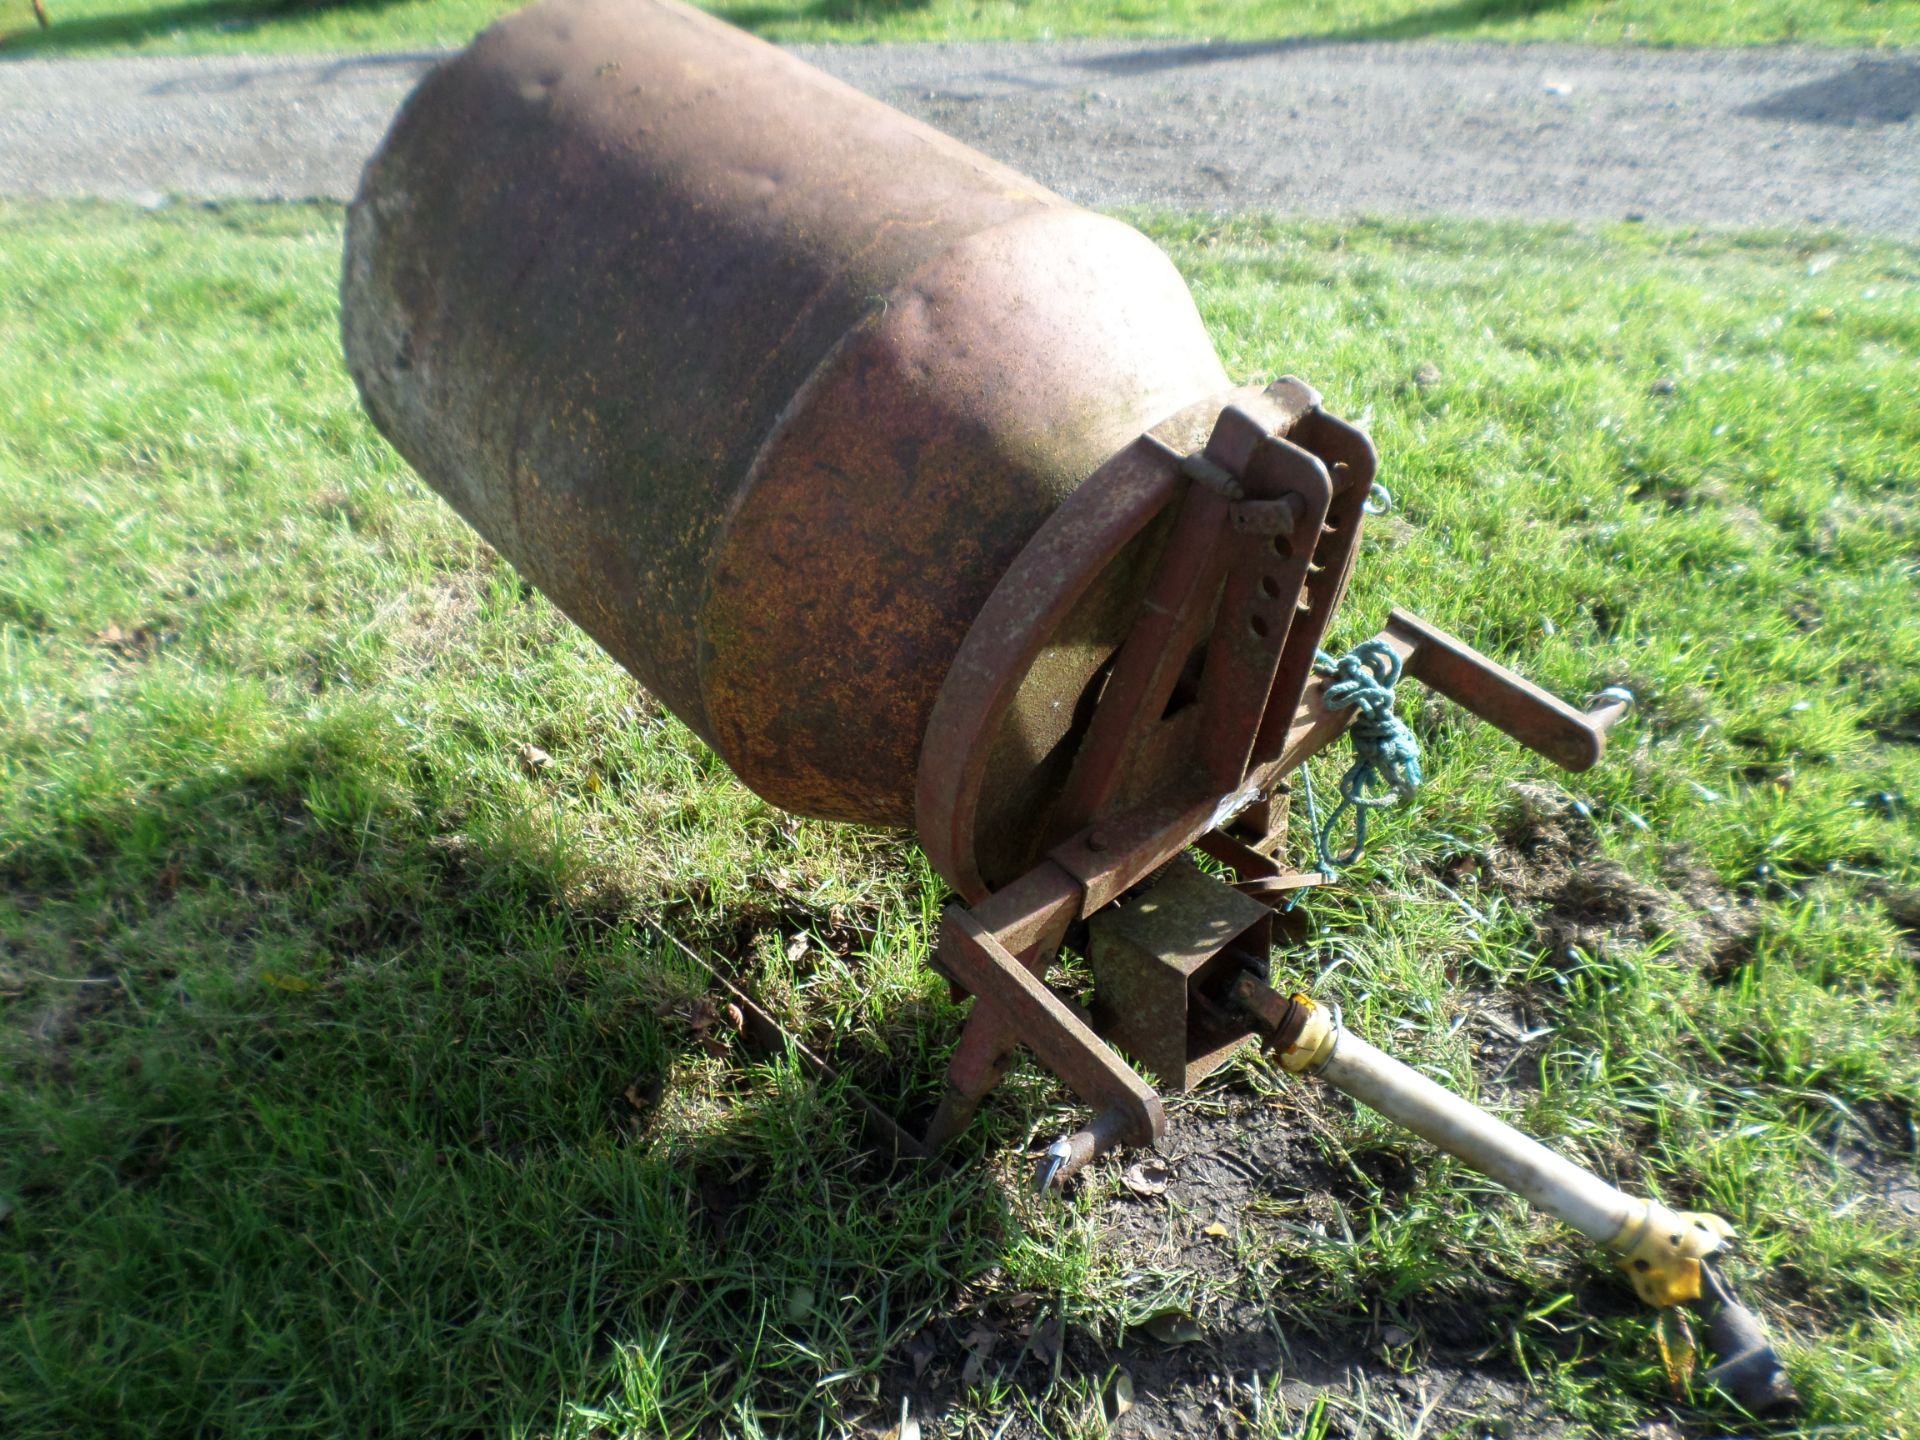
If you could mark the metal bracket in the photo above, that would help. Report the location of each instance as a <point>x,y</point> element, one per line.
<point>1258,540</point>
<point>1063,1041</point>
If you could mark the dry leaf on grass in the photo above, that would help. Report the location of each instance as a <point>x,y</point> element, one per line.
<point>1173,1327</point>
<point>921,1350</point>
<point>1119,1397</point>
<point>907,1429</point>
<point>1048,1338</point>
<point>135,644</point>
<point>1147,1177</point>
<point>978,1343</point>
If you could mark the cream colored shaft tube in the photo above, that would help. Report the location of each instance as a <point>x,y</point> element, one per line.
<point>1463,1129</point>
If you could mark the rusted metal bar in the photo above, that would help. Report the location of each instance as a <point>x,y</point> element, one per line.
<point>1029,918</point>
<point>1061,1039</point>
<point>1538,719</point>
<point>1266,574</point>
<point>1348,455</point>
<point>1261,875</point>
<point>1172,616</point>
<point>1066,1157</point>
<point>1110,857</point>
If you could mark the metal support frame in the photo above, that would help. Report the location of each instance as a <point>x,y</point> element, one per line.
<point>1206,707</point>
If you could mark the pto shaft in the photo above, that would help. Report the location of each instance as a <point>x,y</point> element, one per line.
<point>1462,1129</point>
<point>1661,1250</point>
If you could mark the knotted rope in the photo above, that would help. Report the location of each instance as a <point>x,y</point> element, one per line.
<point>1385,751</point>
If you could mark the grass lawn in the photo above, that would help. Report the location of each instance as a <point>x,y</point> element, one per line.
<point>175,26</point>
<point>346,1090</point>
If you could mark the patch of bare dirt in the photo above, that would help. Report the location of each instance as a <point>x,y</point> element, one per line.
<point>1193,1377</point>
<point>1903,908</point>
<point>138,642</point>
<point>1509,1036</point>
<point>1882,1152</point>
<point>1548,862</point>
<point>432,621</point>
<point>47,1016</point>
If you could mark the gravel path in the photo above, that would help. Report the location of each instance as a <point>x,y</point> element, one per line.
<point>1754,137</point>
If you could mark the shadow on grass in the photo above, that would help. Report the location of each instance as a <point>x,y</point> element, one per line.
<point>327,1104</point>
<point>137,27</point>
<point>833,12</point>
<point>1441,21</point>
<point>333,1107</point>
<point>364,1126</point>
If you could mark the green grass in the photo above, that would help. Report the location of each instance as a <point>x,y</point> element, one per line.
<point>344,1089</point>
<point>194,26</point>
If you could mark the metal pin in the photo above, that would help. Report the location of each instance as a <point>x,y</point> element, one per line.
<point>1051,1163</point>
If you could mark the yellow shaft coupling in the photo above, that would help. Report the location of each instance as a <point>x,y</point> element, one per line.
<point>1661,1251</point>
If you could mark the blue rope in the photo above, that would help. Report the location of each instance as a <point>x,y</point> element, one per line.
<point>1385,752</point>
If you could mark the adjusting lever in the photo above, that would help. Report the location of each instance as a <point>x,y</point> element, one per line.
<point>1542,722</point>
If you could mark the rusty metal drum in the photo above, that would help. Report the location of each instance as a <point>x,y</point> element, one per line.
<point>764,383</point>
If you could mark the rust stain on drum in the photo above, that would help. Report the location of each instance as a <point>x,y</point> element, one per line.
<point>761,381</point>
<point>895,494</point>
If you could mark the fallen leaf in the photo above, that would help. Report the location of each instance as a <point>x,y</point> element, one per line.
<point>1677,1351</point>
<point>137,643</point>
<point>702,1015</point>
<point>921,1351</point>
<point>1119,1397</point>
<point>1047,1339</point>
<point>1147,1177</point>
<point>908,1428</point>
<point>1217,1231</point>
<point>978,1342</point>
<point>593,782</point>
<point>796,949</point>
<point>643,1097</point>
<point>1173,1327</point>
